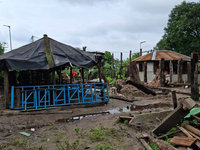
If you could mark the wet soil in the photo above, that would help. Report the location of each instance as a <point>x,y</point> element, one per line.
<point>45,126</point>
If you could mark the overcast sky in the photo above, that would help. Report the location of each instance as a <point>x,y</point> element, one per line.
<point>101,25</point>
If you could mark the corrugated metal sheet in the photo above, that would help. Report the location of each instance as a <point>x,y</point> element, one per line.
<point>166,54</point>
<point>145,57</point>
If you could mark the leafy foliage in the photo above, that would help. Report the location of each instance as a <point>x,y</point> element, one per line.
<point>2,48</point>
<point>182,33</point>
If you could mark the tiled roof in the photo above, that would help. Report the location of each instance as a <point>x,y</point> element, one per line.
<point>166,54</point>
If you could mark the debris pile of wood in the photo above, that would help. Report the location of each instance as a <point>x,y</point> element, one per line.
<point>186,137</point>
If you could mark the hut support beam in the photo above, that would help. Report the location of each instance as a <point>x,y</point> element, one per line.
<point>6,87</point>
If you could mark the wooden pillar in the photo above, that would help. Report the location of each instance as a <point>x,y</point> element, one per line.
<point>194,76</point>
<point>121,66</point>
<point>145,71</point>
<point>113,65</point>
<point>189,72</point>
<point>99,69</point>
<point>180,70</point>
<point>140,52</point>
<point>18,97</point>
<point>6,87</point>
<point>53,77</point>
<point>170,71</point>
<point>60,75</point>
<point>129,68</point>
<point>71,75</point>
<point>174,99</point>
<point>82,75</point>
<point>162,70</point>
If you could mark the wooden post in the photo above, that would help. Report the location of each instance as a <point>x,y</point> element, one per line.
<point>60,75</point>
<point>194,78</point>
<point>18,97</point>
<point>145,71</point>
<point>99,69</point>
<point>162,70</point>
<point>53,76</point>
<point>71,75</point>
<point>188,72</point>
<point>121,66</point>
<point>133,72</point>
<point>113,65</point>
<point>82,75</point>
<point>6,87</point>
<point>170,71</point>
<point>174,99</point>
<point>180,70</point>
<point>129,68</point>
<point>140,52</point>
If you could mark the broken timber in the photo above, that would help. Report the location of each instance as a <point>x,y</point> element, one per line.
<point>161,144</point>
<point>140,86</point>
<point>144,143</point>
<point>183,141</point>
<point>175,116</point>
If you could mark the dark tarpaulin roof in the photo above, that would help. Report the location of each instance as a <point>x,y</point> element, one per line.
<point>33,57</point>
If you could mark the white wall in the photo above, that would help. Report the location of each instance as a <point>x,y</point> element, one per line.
<point>151,75</point>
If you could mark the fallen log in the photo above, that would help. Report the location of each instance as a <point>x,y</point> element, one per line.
<point>161,144</point>
<point>190,128</point>
<point>140,86</point>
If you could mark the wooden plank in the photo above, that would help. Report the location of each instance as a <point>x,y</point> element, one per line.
<point>144,143</point>
<point>191,128</point>
<point>183,141</point>
<point>185,132</point>
<point>172,119</point>
<point>190,135</point>
<point>193,134</point>
<point>161,144</point>
<point>125,117</point>
<point>182,148</point>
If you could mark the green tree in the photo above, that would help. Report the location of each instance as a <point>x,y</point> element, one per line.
<point>108,56</point>
<point>162,44</point>
<point>2,48</point>
<point>183,28</point>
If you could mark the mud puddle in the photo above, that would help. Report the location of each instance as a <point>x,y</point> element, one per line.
<point>75,118</point>
<point>141,107</point>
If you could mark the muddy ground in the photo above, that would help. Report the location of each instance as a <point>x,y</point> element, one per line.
<point>53,129</point>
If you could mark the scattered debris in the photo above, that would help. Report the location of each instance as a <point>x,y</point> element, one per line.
<point>25,133</point>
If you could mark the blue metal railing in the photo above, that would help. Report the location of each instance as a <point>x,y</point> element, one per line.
<point>43,96</point>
